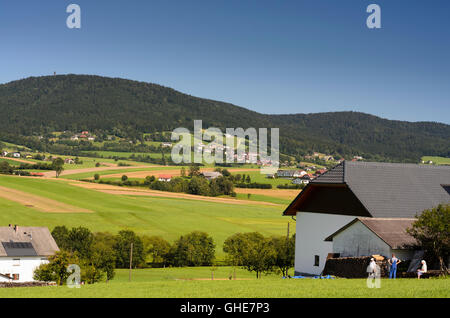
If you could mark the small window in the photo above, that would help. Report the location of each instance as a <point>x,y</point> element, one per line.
<point>15,276</point>
<point>16,262</point>
<point>316,260</point>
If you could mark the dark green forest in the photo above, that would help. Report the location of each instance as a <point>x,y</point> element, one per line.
<point>37,106</point>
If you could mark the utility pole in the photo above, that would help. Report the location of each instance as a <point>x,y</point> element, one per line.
<point>288,231</point>
<point>131,261</point>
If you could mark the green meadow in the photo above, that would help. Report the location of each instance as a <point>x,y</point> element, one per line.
<point>87,175</point>
<point>10,162</point>
<point>437,160</point>
<point>110,154</point>
<point>185,283</point>
<point>166,217</point>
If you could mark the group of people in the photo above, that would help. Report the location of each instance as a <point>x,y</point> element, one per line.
<point>394,262</point>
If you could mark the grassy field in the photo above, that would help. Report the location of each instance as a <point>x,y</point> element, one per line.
<point>12,147</point>
<point>10,162</point>
<point>256,176</point>
<point>88,175</point>
<point>437,160</point>
<point>197,283</point>
<point>263,198</point>
<point>107,154</point>
<point>167,217</point>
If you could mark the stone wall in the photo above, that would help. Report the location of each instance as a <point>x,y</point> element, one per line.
<point>30,284</point>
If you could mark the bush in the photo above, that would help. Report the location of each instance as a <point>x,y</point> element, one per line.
<point>96,177</point>
<point>252,251</point>
<point>193,249</point>
<point>56,269</point>
<point>254,185</point>
<point>291,186</point>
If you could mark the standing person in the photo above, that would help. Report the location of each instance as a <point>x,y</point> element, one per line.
<point>422,270</point>
<point>393,261</point>
<point>372,266</point>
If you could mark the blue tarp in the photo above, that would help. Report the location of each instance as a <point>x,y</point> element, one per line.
<point>312,277</point>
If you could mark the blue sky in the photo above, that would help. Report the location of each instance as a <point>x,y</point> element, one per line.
<point>274,56</point>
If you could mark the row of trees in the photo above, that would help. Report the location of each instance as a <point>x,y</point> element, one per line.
<point>57,165</point>
<point>191,182</point>
<point>252,251</point>
<point>99,254</point>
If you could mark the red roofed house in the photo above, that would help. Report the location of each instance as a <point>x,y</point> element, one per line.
<point>165,177</point>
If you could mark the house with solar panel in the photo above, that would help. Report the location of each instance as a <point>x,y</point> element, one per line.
<point>333,211</point>
<point>22,250</point>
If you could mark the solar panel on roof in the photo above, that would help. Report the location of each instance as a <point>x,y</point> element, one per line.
<point>17,245</point>
<point>19,249</point>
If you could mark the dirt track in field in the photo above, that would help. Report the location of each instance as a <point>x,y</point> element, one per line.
<point>20,160</point>
<point>278,193</point>
<point>105,188</point>
<point>51,174</point>
<point>39,203</point>
<point>171,172</point>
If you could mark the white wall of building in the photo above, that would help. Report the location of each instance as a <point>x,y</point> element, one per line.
<point>311,231</point>
<point>24,266</point>
<point>358,240</point>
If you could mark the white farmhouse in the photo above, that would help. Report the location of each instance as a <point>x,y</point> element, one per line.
<point>22,250</point>
<point>365,190</point>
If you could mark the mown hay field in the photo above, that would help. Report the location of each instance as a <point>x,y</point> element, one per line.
<point>197,283</point>
<point>167,217</point>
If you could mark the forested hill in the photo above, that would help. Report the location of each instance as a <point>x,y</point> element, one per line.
<point>37,105</point>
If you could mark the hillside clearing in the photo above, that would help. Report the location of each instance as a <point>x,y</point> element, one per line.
<point>51,174</point>
<point>172,172</point>
<point>154,193</point>
<point>39,203</point>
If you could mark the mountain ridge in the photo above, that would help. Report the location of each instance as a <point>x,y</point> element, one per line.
<point>38,105</point>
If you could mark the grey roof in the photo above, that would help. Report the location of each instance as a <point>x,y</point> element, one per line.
<point>391,189</point>
<point>212,174</point>
<point>390,230</point>
<point>27,241</point>
<point>335,175</point>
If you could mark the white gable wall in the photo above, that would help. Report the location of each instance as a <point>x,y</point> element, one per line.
<point>25,267</point>
<point>358,240</point>
<point>311,231</point>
